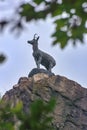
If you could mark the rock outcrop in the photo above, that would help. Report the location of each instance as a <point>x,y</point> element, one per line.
<point>71,109</point>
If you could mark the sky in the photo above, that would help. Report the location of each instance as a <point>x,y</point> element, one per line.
<point>71,62</point>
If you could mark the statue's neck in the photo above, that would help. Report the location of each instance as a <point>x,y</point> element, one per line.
<point>35,47</point>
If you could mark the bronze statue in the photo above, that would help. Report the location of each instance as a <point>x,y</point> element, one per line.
<point>41,57</point>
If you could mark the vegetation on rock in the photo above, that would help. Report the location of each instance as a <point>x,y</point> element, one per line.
<point>39,116</point>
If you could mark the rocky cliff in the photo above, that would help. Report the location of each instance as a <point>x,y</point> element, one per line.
<point>71,109</point>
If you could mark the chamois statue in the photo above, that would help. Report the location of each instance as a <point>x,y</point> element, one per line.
<point>41,57</point>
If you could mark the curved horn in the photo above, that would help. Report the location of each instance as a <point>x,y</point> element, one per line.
<point>35,35</point>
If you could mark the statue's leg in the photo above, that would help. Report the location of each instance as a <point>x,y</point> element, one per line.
<point>38,65</point>
<point>38,62</point>
<point>50,67</point>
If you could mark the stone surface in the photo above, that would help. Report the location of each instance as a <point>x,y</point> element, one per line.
<point>71,109</point>
<point>36,71</point>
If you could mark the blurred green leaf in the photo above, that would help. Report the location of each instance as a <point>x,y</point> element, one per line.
<point>6,126</point>
<point>51,105</point>
<point>38,1</point>
<point>27,11</point>
<point>2,58</point>
<point>18,107</point>
<point>61,38</point>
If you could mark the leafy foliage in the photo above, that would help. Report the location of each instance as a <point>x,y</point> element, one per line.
<point>2,58</point>
<point>70,18</point>
<point>6,116</point>
<point>39,116</point>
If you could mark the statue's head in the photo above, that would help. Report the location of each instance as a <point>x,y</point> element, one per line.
<point>34,41</point>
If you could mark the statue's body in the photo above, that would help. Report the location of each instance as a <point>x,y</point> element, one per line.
<point>41,57</point>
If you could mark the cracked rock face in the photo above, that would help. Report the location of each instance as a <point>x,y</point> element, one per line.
<point>71,109</point>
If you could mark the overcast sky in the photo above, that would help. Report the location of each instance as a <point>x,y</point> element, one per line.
<point>70,62</point>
